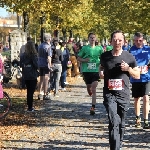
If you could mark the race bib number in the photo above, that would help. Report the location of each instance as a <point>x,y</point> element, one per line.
<point>91,66</point>
<point>143,69</point>
<point>115,84</point>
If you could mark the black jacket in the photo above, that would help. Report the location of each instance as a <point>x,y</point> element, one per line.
<point>29,66</point>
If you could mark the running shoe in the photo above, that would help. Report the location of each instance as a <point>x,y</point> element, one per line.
<point>146,125</point>
<point>138,123</point>
<point>30,110</point>
<point>63,89</point>
<point>40,97</point>
<point>92,111</point>
<point>46,97</point>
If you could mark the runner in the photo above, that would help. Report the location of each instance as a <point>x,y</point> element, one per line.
<point>141,87</point>
<point>118,66</point>
<point>89,55</point>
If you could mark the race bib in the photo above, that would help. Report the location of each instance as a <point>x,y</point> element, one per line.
<point>91,66</point>
<point>143,69</point>
<point>115,84</point>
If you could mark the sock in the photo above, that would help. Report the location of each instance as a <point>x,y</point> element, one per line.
<point>138,117</point>
<point>93,106</point>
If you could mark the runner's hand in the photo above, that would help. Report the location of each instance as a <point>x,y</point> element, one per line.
<point>86,59</point>
<point>124,66</point>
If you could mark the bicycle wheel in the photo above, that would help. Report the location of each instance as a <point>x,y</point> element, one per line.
<point>5,104</point>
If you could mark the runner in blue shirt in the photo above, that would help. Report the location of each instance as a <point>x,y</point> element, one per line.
<point>141,87</point>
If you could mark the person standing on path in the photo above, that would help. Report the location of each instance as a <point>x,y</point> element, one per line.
<point>118,66</point>
<point>29,63</point>
<point>73,60</point>
<point>57,58</point>
<point>66,56</point>
<point>22,50</point>
<point>89,56</point>
<point>141,87</point>
<point>44,63</point>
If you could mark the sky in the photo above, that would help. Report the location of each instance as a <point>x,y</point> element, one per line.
<point>3,12</point>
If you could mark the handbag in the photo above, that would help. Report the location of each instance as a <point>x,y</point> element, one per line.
<point>69,64</point>
<point>54,69</point>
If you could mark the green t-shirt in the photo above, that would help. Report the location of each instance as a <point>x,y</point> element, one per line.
<point>94,54</point>
<point>109,47</point>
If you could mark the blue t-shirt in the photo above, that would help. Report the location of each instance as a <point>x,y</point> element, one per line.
<point>126,48</point>
<point>44,51</point>
<point>142,56</point>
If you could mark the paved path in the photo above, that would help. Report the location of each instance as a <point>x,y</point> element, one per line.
<point>64,123</point>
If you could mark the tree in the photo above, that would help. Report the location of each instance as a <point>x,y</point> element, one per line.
<point>82,16</point>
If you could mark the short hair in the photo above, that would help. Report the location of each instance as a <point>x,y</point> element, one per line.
<point>29,38</point>
<point>91,33</point>
<point>47,36</point>
<point>116,31</point>
<point>138,34</point>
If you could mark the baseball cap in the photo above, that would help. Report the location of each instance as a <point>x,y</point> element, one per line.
<point>47,36</point>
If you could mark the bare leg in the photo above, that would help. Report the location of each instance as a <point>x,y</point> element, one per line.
<point>40,88</point>
<point>45,83</point>
<point>89,90</point>
<point>137,106</point>
<point>145,106</point>
<point>93,88</point>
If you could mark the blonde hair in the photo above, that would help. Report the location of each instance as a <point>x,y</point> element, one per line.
<point>30,48</point>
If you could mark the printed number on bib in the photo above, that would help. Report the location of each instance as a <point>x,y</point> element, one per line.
<point>91,66</point>
<point>115,84</point>
<point>143,69</point>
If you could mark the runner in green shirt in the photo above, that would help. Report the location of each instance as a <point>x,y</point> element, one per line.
<point>90,57</point>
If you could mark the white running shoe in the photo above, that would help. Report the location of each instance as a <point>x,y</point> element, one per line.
<point>63,89</point>
<point>66,83</point>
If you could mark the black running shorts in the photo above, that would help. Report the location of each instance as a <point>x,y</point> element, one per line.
<point>44,71</point>
<point>139,89</point>
<point>90,77</point>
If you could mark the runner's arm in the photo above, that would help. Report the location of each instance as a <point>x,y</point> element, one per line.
<point>83,60</point>
<point>134,72</point>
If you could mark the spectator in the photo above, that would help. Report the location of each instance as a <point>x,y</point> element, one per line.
<point>44,62</point>
<point>28,61</point>
<point>126,46</point>
<point>22,50</point>
<point>73,59</point>
<point>57,59</point>
<point>66,56</point>
<point>6,47</point>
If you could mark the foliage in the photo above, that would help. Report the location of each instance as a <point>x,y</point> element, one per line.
<point>83,16</point>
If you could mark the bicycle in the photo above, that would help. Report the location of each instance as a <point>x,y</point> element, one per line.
<point>5,100</point>
<point>5,105</point>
